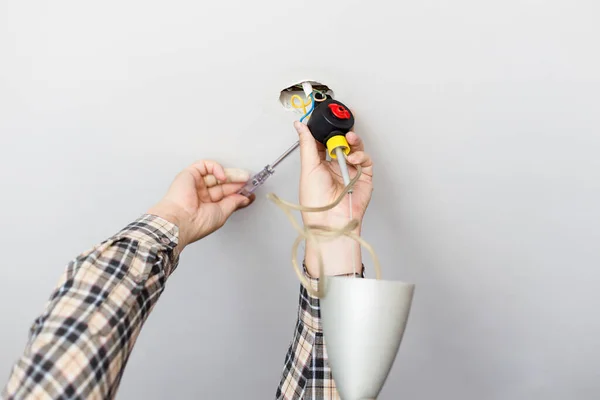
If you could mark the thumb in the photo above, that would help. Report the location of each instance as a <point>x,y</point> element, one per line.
<point>309,153</point>
<point>232,203</point>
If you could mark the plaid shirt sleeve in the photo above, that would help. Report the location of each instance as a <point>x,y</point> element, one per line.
<point>80,344</point>
<point>306,373</point>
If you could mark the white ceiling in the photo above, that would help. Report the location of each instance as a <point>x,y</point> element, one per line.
<point>483,120</point>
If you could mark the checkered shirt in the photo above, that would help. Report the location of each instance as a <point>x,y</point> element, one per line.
<point>306,373</point>
<point>80,344</point>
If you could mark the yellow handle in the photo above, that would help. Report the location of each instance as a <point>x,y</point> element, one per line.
<point>335,142</point>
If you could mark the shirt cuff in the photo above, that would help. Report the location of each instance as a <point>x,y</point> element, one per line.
<point>155,231</point>
<point>309,312</point>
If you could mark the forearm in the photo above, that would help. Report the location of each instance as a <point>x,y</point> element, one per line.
<point>306,373</point>
<point>81,342</point>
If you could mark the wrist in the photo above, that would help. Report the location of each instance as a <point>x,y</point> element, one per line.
<point>331,219</point>
<point>173,214</point>
<point>340,256</point>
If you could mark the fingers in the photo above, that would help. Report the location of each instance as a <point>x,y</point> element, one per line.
<point>247,203</point>
<point>233,175</point>
<point>322,151</point>
<point>309,153</point>
<point>219,191</point>
<point>237,175</point>
<point>209,176</point>
<point>234,202</point>
<point>213,173</point>
<point>210,181</point>
<point>355,141</point>
<point>358,155</point>
<point>209,167</point>
<point>360,158</point>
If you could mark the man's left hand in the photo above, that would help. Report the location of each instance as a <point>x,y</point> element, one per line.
<point>201,199</point>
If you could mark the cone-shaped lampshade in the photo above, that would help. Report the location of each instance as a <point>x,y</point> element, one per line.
<point>363,323</point>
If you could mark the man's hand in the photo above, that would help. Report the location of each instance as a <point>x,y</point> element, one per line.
<point>201,198</point>
<point>320,184</point>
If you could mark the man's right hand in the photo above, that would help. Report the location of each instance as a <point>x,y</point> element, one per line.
<point>320,184</point>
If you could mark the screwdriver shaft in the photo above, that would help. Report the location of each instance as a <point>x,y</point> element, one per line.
<point>341,159</point>
<point>284,155</point>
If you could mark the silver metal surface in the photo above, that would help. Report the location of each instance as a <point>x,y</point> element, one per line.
<point>339,154</point>
<point>284,155</point>
<point>363,324</point>
<point>260,178</point>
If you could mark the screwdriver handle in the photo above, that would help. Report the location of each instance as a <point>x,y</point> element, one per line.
<point>256,181</point>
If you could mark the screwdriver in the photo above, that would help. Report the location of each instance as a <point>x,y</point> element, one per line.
<point>259,179</point>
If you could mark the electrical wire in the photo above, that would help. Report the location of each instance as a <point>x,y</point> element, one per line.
<point>302,104</point>
<point>350,216</point>
<point>312,107</point>
<point>323,98</point>
<point>317,233</point>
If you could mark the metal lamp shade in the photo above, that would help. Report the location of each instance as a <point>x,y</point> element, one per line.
<point>363,324</point>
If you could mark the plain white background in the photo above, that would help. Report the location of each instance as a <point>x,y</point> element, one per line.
<point>483,120</point>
